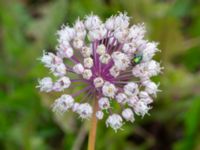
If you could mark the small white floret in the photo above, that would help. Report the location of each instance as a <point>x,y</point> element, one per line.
<point>45,84</point>
<point>109,89</point>
<point>114,121</point>
<point>121,98</point>
<point>99,115</point>
<point>79,28</point>
<point>132,100</point>
<point>121,21</point>
<point>98,82</point>
<point>101,49</point>
<point>92,22</point>
<point>141,108</point>
<point>85,111</point>
<point>86,51</point>
<point>88,62</point>
<point>114,71</point>
<point>105,58</point>
<point>62,104</point>
<point>59,69</point>
<point>78,68</point>
<point>65,34</point>
<point>75,107</point>
<point>149,51</point>
<point>150,87</point>
<point>63,83</point>
<point>64,50</point>
<point>104,103</point>
<point>121,60</point>
<point>128,115</point>
<point>131,89</point>
<point>78,43</point>
<point>87,74</point>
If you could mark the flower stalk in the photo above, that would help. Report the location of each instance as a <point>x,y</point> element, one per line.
<point>93,127</point>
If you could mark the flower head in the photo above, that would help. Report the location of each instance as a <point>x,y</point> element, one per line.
<point>112,61</point>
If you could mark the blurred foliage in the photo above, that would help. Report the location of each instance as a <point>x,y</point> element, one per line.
<point>26,121</point>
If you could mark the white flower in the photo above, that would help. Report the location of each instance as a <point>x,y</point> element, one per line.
<point>86,51</point>
<point>136,32</point>
<point>78,68</point>
<point>105,58</point>
<point>97,34</point>
<point>109,89</point>
<point>121,98</point>
<point>153,68</point>
<point>128,115</point>
<point>112,41</point>
<point>131,89</point>
<point>87,74</point>
<point>121,21</point>
<point>121,35</point>
<point>132,101</point>
<point>138,70</point>
<point>114,71</point>
<point>79,25</point>
<point>63,103</point>
<point>104,103</point>
<point>62,83</point>
<point>80,29</point>
<point>114,121</point>
<point>141,108</point>
<point>92,22</point>
<point>47,59</point>
<point>108,60</point>
<point>121,60</point>
<point>88,62</point>
<point>150,87</point>
<point>59,69</point>
<point>66,34</point>
<point>98,82</point>
<point>129,48</point>
<point>143,94</point>
<point>78,43</point>
<point>99,115</point>
<point>149,51</point>
<point>85,110</point>
<point>64,50</point>
<point>75,107</point>
<point>101,49</point>
<point>109,24</point>
<point>45,84</point>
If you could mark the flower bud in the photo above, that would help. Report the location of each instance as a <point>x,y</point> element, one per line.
<point>98,82</point>
<point>45,84</point>
<point>78,68</point>
<point>99,115</point>
<point>104,103</point>
<point>114,121</point>
<point>109,89</point>
<point>105,58</point>
<point>128,115</point>
<point>88,62</point>
<point>87,74</point>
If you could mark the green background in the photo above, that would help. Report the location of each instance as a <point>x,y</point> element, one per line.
<point>27,27</point>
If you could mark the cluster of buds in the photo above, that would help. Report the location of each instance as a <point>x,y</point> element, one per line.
<point>114,62</point>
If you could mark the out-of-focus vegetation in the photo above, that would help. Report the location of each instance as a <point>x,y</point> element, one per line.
<point>26,121</point>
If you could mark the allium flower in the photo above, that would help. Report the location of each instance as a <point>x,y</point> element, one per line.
<point>113,62</point>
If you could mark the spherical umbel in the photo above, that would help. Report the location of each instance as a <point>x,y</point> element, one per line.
<point>111,63</point>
